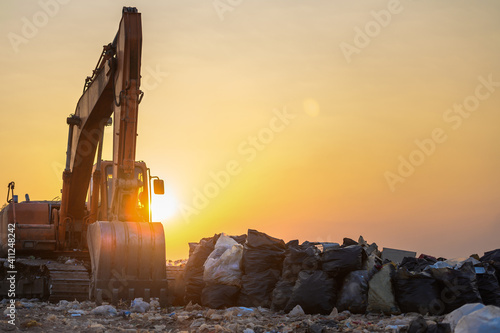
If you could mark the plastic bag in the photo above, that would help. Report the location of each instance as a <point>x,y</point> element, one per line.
<point>380,292</point>
<point>459,286</point>
<point>487,284</point>
<point>193,273</point>
<point>485,320</point>
<point>260,240</point>
<point>217,296</point>
<point>262,252</point>
<point>454,317</point>
<point>417,292</point>
<point>353,295</point>
<point>491,256</point>
<point>341,261</point>
<point>257,288</point>
<point>416,264</point>
<point>299,258</point>
<point>223,266</point>
<point>281,295</point>
<point>314,291</point>
<point>262,263</point>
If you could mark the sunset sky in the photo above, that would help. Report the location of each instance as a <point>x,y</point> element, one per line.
<point>309,120</point>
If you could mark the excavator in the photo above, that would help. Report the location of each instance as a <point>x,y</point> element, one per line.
<point>102,223</point>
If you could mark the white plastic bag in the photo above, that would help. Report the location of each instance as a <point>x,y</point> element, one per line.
<point>454,317</point>
<point>485,320</point>
<point>223,266</point>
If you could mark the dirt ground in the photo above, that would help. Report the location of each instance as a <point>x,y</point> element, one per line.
<point>36,316</point>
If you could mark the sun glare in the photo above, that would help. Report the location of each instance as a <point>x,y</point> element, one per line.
<point>163,207</point>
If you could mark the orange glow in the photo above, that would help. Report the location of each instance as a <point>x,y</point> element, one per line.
<point>328,168</point>
<point>163,207</point>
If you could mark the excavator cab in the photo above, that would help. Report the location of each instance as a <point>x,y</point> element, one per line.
<point>140,202</point>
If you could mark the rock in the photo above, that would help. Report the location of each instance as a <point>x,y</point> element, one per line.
<point>30,323</point>
<point>334,313</point>
<point>296,311</point>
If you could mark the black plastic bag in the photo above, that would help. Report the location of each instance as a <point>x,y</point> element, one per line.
<point>314,291</point>
<point>491,256</point>
<point>353,295</point>
<point>193,273</point>
<point>348,242</point>
<point>217,296</point>
<point>487,284</point>
<point>299,258</point>
<point>417,292</point>
<point>458,286</point>
<point>256,239</point>
<point>241,239</point>
<point>262,264</point>
<point>340,261</point>
<point>416,264</point>
<point>281,295</point>
<point>257,288</point>
<point>262,252</point>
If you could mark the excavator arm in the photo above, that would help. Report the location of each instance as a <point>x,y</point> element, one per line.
<point>127,252</point>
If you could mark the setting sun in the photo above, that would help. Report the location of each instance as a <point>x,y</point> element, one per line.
<point>163,207</point>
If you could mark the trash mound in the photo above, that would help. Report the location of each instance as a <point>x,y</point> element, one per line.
<point>257,270</point>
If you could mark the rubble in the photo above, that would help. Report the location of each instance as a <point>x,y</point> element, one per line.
<point>195,318</point>
<point>104,310</point>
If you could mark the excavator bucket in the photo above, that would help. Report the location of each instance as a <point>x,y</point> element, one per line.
<point>128,261</point>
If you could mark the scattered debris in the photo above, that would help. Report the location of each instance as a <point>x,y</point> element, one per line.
<point>104,310</point>
<point>138,305</point>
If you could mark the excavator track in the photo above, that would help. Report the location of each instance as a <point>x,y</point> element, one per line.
<point>67,282</point>
<point>47,280</point>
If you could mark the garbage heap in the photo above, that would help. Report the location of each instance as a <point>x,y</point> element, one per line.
<point>257,270</point>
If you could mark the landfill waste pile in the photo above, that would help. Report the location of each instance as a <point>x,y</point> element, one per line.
<point>257,270</point>
<point>258,283</point>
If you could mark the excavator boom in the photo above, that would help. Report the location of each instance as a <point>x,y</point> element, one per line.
<point>127,251</point>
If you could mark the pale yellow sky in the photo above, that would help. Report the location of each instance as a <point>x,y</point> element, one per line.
<point>312,106</point>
